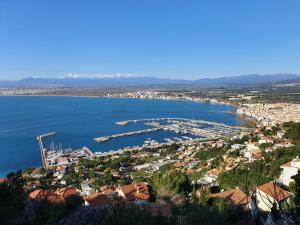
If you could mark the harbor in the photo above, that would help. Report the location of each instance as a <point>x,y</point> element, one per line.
<point>182,126</point>
<point>183,130</point>
<point>57,156</point>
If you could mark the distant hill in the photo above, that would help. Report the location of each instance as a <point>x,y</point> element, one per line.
<point>288,83</point>
<point>244,80</point>
<point>254,79</point>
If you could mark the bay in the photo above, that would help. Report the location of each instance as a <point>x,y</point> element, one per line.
<point>78,120</point>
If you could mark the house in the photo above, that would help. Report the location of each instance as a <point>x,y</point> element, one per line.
<point>138,193</point>
<point>63,161</point>
<point>66,192</point>
<point>48,195</point>
<point>266,140</point>
<point>36,173</point>
<point>57,197</point>
<point>280,134</point>
<point>289,169</point>
<point>96,200</point>
<point>32,184</point>
<point>60,171</point>
<point>235,196</point>
<point>208,180</point>
<point>108,190</point>
<point>235,147</point>
<point>270,194</point>
<point>253,155</point>
<point>251,147</point>
<point>86,188</point>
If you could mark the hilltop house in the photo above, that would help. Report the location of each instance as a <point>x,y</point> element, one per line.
<point>235,196</point>
<point>270,194</point>
<point>97,200</point>
<point>138,193</point>
<point>57,197</point>
<point>289,169</point>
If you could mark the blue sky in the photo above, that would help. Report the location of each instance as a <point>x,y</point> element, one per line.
<point>162,38</point>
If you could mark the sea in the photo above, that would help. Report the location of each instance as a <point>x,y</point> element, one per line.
<point>78,120</point>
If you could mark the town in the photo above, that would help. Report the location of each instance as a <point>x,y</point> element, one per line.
<point>250,172</point>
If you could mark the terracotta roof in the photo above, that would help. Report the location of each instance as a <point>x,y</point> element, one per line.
<point>274,191</point>
<point>235,196</point>
<point>47,195</point>
<point>288,164</point>
<point>66,192</point>
<point>61,168</point>
<point>97,200</point>
<point>107,190</point>
<point>136,191</point>
<point>256,154</point>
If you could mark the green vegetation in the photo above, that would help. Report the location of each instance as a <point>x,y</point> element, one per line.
<point>12,199</point>
<point>171,180</point>
<point>258,172</point>
<point>292,132</point>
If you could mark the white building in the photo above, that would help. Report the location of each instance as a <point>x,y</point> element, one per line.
<point>208,180</point>
<point>289,169</point>
<point>270,194</point>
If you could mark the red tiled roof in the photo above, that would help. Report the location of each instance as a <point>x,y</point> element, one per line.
<point>273,190</point>
<point>136,191</point>
<point>288,164</point>
<point>59,196</point>
<point>235,196</point>
<point>107,190</point>
<point>97,200</point>
<point>47,195</point>
<point>66,192</point>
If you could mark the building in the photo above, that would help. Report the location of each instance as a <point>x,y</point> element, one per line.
<point>138,193</point>
<point>96,200</point>
<point>57,197</point>
<point>289,169</point>
<point>235,196</point>
<point>266,140</point>
<point>270,194</point>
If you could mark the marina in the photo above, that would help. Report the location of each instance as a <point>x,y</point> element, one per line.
<point>58,156</point>
<point>78,121</point>
<point>196,128</point>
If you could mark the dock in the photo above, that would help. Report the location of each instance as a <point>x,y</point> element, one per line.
<point>126,122</point>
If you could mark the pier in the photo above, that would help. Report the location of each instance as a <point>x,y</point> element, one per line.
<point>126,122</point>
<point>106,138</point>
<point>42,149</point>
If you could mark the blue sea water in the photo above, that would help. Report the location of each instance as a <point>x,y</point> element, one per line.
<point>78,120</point>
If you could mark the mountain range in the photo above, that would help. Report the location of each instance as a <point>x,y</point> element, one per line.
<point>243,80</point>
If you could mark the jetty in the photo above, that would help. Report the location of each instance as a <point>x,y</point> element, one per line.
<point>170,119</point>
<point>42,149</point>
<point>106,138</point>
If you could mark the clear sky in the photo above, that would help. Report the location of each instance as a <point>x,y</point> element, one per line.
<point>163,38</point>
